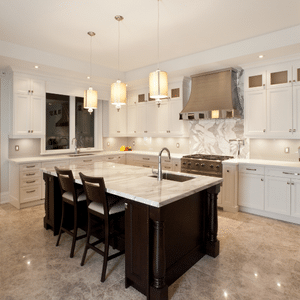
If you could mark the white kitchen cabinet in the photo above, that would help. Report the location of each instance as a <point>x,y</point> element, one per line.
<point>168,118</point>
<point>295,197</point>
<point>114,121</point>
<point>132,120</point>
<point>28,108</point>
<point>119,158</point>
<point>296,110</point>
<point>279,75</point>
<point>255,79</point>
<point>256,113</point>
<point>280,112</point>
<point>229,187</point>
<point>251,186</point>
<point>146,119</point>
<point>277,195</point>
<point>25,184</point>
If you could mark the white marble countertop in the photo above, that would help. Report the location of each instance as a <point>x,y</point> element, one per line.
<point>264,162</point>
<point>44,158</point>
<point>135,183</point>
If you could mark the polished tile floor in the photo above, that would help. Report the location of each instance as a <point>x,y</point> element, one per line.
<point>259,259</point>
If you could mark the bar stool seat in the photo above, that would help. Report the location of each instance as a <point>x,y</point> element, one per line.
<point>75,198</point>
<point>107,209</point>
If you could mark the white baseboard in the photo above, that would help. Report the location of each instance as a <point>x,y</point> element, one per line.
<point>4,197</point>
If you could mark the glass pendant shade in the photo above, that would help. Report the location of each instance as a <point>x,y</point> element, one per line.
<point>118,94</point>
<point>90,99</point>
<point>158,84</point>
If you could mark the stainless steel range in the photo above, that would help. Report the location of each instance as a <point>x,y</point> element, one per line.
<point>203,164</point>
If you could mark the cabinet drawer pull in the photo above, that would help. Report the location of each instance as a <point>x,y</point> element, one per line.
<point>146,158</point>
<point>32,191</point>
<point>288,173</point>
<point>290,130</point>
<point>110,158</point>
<point>294,130</point>
<point>30,174</point>
<point>30,166</point>
<point>118,131</point>
<point>248,169</point>
<point>294,80</point>
<point>145,131</point>
<point>292,183</point>
<point>28,131</point>
<point>32,181</point>
<point>287,183</point>
<point>146,166</point>
<point>264,130</point>
<point>87,160</point>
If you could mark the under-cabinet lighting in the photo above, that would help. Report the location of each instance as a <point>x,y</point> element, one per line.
<point>36,67</point>
<point>260,56</point>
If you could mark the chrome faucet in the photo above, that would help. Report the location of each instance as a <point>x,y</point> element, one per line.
<point>239,143</point>
<point>75,145</point>
<point>159,172</point>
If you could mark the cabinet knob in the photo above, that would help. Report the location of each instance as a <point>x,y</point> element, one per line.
<point>290,130</point>
<point>227,171</point>
<point>31,92</point>
<point>264,130</point>
<point>290,81</point>
<point>31,131</point>
<point>28,131</point>
<point>263,84</point>
<point>287,183</point>
<point>294,80</point>
<point>261,179</point>
<point>28,91</point>
<point>294,130</point>
<point>292,183</point>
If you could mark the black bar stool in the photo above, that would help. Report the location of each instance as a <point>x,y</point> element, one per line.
<point>110,210</point>
<point>72,197</point>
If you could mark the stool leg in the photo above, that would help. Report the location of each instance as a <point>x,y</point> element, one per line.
<point>61,222</point>
<point>74,232</point>
<point>106,245</point>
<point>87,239</point>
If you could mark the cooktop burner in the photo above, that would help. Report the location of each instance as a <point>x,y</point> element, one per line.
<point>208,156</point>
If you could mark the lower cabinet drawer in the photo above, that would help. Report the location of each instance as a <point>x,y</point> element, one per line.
<point>30,174</point>
<point>31,193</point>
<point>30,181</point>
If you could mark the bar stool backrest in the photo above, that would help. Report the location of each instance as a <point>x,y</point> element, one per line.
<point>66,182</point>
<point>94,188</point>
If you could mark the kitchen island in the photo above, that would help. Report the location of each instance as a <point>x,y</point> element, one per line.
<point>169,225</point>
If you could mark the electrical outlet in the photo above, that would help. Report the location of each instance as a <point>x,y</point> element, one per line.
<point>177,145</point>
<point>17,148</point>
<point>287,149</point>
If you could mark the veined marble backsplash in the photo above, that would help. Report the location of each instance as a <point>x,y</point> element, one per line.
<point>212,137</point>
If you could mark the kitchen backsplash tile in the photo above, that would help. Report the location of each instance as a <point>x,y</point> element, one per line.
<point>212,137</point>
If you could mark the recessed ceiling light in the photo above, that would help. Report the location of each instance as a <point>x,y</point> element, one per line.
<point>260,56</point>
<point>36,67</point>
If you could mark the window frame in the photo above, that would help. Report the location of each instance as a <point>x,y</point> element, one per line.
<point>97,131</point>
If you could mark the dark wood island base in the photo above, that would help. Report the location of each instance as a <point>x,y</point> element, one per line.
<point>161,244</point>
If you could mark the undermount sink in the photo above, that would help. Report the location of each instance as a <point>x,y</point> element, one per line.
<point>174,177</point>
<point>80,154</point>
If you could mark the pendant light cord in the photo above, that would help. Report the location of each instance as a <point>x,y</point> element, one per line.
<point>158,34</point>
<point>91,58</point>
<point>119,49</point>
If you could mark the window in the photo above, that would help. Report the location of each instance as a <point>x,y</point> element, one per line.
<point>84,125</point>
<point>57,122</point>
<point>66,119</point>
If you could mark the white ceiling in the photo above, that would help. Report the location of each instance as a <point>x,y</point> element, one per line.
<point>186,27</point>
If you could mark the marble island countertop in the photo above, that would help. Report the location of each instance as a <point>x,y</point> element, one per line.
<point>136,183</point>
<point>53,157</point>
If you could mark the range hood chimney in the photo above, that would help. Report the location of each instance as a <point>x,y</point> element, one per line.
<point>213,96</point>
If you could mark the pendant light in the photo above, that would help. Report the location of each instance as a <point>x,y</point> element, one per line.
<point>90,95</point>
<point>118,89</point>
<point>158,80</point>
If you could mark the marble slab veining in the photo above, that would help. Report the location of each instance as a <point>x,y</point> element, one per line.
<point>136,183</point>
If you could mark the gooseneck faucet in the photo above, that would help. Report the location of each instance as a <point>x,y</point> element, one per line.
<point>75,145</point>
<point>159,173</point>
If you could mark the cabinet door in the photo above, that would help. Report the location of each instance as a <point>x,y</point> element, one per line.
<point>229,190</point>
<point>21,114</point>
<point>37,115</point>
<point>295,198</point>
<point>277,195</point>
<point>279,112</point>
<point>296,111</point>
<point>131,120</point>
<point>176,126</point>
<point>255,113</point>
<point>163,118</point>
<point>38,87</point>
<point>251,191</point>
<point>279,75</point>
<point>21,85</point>
<point>117,121</point>
<point>152,122</point>
<point>141,118</point>
<point>255,80</point>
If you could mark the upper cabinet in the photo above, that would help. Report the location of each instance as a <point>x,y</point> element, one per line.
<point>272,101</point>
<point>27,107</point>
<point>146,118</point>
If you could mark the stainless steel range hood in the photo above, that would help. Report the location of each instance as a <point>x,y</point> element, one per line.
<point>213,96</point>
